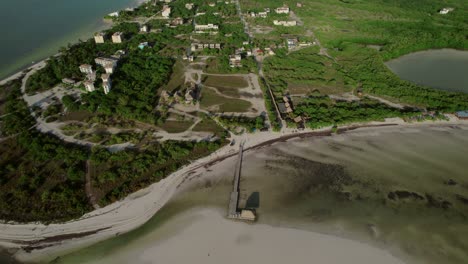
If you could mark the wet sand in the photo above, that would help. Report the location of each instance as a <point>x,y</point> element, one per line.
<point>205,236</point>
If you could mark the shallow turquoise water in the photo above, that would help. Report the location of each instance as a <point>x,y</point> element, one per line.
<point>33,29</point>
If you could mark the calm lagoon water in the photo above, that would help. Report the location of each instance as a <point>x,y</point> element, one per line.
<point>336,185</point>
<point>34,29</point>
<point>444,69</point>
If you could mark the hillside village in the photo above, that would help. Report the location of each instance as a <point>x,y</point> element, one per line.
<point>216,84</point>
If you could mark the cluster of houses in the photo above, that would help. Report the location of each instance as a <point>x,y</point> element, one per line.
<point>266,11</point>
<point>109,64</point>
<point>286,108</point>
<point>99,37</point>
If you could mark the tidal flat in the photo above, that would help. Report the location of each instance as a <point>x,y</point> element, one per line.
<point>401,189</point>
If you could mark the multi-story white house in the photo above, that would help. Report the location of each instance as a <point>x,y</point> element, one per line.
<point>89,85</point>
<point>86,69</point>
<point>166,11</point>
<point>99,37</point>
<point>235,61</point>
<point>206,27</point>
<point>106,83</point>
<point>282,10</point>
<point>117,37</point>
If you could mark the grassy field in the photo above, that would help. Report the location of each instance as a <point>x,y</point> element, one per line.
<point>210,100</point>
<point>172,126</point>
<point>303,72</point>
<point>177,78</point>
<point>208,125</point>
<point>225,81</point>
<point>350,31</point>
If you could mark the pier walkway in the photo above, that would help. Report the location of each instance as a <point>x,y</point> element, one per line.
<point>233,211</point>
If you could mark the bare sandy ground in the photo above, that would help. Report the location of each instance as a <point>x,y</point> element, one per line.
<point>205,236</point>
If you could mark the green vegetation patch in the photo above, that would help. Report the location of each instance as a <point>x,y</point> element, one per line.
<point>177,79</point>
<point>172,126</point>
<point>38,167</point>
<point>305,69</point>
<point>208,125</point>
<point>323,111</point>
<point>225,81</point>
<point>210,100</point>
<point>116,175</point>
<point>249,124</point>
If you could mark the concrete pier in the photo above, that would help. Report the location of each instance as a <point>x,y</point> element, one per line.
<point>233,211</point>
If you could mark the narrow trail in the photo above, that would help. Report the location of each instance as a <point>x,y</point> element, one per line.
<point>89,188</point>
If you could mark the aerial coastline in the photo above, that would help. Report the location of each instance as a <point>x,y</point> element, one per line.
<point>208,100</point>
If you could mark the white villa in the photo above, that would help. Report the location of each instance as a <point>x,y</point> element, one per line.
<point>89,85</point>
<point>86,69</point>
<point>206,27</point>
<point>200,46</point>
<point>106,83</point>
<point>235,61</point>
<point>99,37</point>
<point>282,10</point>
<point>117,37</point>
<point>144,29</point>
<point>285,23</point>
<point>166,11</point>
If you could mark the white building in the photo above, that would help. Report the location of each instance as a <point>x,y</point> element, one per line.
<point>206,27</point>
<point>166,11</point>
<point>89,85</point>
<point>106,83</point>
<point>177,21</point>
<point>114,14</point>
<point>189,6</point>
<point>235,61</point>
<point>99,37</point>
<point>109,68</point>
<point>446,10</point>
<point>86,69</point>
<point>292,43</point>
<point>282,10</point>
<point>284,23</point>
<point>144,29</point>
<point>200,46</point>
<point>104,61</point>
<point>117,37</point>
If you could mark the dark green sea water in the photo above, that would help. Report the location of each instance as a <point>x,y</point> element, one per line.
<point>34,29</point>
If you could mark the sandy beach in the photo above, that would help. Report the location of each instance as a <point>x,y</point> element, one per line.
<point>205,236</point>
<point>38,241</point>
